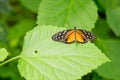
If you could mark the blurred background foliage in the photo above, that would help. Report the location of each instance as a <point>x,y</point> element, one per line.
<point>19,16</point>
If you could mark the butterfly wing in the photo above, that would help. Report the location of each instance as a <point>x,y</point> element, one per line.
<point>66,36</point>
<point>80,37</point>
<point>89,36</point>
<point>59,36</point>
<point>84,36</point>
<point>69,37</point>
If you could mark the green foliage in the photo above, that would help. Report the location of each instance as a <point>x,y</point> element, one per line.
<point>111,48</point>
<point>111,70</point>
<point>112,10</point>
<point>22,27</point>
<point>10,72</point>
<point>108,42</point>
<point>101,4</point>
<point>69,13</point>
<point>31,4</point>
<point>3,54</point>
<point>113,15</point>
<point>56,61</point>
<point>102,29</point>
<point>3,35</point>
<point>4,6</point>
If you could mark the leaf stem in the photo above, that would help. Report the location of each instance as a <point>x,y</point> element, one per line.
<point>9,60</point>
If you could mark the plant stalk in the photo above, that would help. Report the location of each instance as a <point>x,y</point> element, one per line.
<point>9,60</point>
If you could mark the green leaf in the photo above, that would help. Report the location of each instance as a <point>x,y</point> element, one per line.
<point>111,70</point>
<point>70,13</point>
<point>102,29</point>
<point>32,5</point>
<point>101,4</point>
<point>3,54</point>
<point>113,15</point>
<point>45,59</point>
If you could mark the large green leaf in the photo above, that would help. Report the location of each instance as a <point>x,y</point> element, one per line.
<point>111,70</point>
<point>3,54</point>
<point>44,59</point>
<point>70,13</point>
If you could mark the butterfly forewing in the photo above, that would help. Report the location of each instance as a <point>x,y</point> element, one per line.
<point>60,36</point>
<point>80,37</point>
<point>70,36</point>
<point>89,35</point>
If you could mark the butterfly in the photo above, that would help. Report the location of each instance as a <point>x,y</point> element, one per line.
<point>74,35</point>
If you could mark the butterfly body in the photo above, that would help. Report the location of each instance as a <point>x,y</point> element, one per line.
<point>74,35</point>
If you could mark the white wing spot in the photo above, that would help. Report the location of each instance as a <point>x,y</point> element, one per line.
<point>61,36</point>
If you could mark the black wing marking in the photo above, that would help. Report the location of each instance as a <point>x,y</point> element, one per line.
<point>60,36</point>
<point>89,35</point>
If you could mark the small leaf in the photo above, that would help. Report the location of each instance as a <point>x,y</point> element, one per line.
<point>45,59</point>
<point>70,13</point>
<point>3,54</point>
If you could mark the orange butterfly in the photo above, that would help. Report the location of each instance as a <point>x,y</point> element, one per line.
<point>74,35</point>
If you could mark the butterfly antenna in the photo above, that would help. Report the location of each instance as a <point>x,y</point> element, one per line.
<point>74,28</point>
